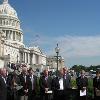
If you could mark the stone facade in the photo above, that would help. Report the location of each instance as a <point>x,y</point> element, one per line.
<point>12,48</point>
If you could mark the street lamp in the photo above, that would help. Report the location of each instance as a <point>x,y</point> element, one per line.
<point>57,49</point>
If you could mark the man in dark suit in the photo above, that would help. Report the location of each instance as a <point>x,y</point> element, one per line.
<point>31,82</point>
<point>82,83</point>
<point>58,86</point>
<point>96,85</point>
<point>23,91</point>
<point>45,85</point>
<point>3,87</point>
<point>67,83</point>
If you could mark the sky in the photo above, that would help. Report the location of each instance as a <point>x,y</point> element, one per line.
<point>73,24</point>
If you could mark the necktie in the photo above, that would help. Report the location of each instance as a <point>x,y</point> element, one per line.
<point>64,76</point>
<point>32,80</point>
<point>4,79</point>
<point>25,78</point>
<point>46,79</point>
<point>97,79</point>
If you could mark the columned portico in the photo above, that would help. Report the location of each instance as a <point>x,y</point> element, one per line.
<point>12,47</point>
<point>31,59</point>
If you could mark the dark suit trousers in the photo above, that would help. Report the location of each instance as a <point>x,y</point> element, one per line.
<point>31,95</point>
<point>67,94</point>
<point>58,95</point>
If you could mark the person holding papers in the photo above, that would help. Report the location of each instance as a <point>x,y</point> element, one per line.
<point>45,85</point>
<point>82,83</point>
<point>96,85</point>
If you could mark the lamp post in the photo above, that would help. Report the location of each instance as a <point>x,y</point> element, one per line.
<point>57,49</point>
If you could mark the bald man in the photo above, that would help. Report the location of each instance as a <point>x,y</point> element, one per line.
<point>3,88</point>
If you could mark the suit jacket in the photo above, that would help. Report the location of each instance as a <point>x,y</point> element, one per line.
<point>96,83</point>
<point>3,89</point>
<point>81,82</point>
<point>22,83</point>
<point>12,92</point>
<point>29,83</point>
<point>45,82</point>
<point>67,81</point>
<point>55,84</point>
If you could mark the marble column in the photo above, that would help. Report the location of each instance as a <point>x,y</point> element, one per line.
<point>39,59</point>
<point>31,59</point>
<point>11,34</point>
<point>0,43</point>
<point>25,57</point>
<point>28,58</point>
<point>21,37</point>
<point>15,36</point>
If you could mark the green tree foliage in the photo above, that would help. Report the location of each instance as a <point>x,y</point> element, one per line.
<point>78,68</point>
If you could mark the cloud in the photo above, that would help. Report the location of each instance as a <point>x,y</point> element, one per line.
<point>72,46</point>
<point>80,46</point>
<point>74,49</point>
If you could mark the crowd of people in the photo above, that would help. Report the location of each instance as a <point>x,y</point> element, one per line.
<point>27,85</point>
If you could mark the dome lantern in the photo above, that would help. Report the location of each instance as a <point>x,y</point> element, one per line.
<point>5,1</point>
<point>6,9</point>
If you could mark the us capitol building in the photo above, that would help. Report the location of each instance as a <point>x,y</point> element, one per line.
<point>12,48</point>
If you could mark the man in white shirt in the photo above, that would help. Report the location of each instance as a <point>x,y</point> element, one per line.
<point>31,84</point>
<point>67,84</point>
<point>58,86</point>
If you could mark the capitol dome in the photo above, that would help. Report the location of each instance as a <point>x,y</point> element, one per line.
<point>6,9</point>
<point>10,24</point>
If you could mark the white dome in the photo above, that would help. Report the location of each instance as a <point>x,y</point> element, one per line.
<point>6,9</point>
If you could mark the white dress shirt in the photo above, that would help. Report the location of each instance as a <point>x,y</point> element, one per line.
<point>32,80</point>
<point>25,78</point>
<point>61,84</point>
<point>4,80</point>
